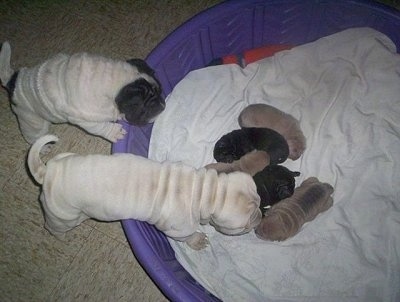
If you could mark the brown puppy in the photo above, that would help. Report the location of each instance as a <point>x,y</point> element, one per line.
<point>266,116</point>
<point>286,218</point>
<point>250,163</point>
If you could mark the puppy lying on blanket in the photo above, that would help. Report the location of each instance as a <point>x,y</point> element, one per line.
<point>174,197</point>
<point>265,116</point>
<point>233,145</point>
<point>286,217</point>
<point>274,183</point>
<point>90,91</point>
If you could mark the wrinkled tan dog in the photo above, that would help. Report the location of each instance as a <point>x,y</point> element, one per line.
<point>285,218</point>
<point>174,197</point>
<point>266,116</point>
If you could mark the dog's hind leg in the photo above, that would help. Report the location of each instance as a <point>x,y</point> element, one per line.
<point>31,125</point>
<point>60,218</point>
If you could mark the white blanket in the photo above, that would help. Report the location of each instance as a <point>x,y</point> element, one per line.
<point>345,90</point>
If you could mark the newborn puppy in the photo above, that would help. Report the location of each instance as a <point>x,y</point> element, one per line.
<point>286,217</point>
<point>250,163</point>
<point>174,197</point>
<point>234,145</point>
<point>265,116</point>
<point>90,91</point>
<point>274,183</point>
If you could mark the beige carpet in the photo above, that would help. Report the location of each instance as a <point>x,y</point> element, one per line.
<point>95,263</point>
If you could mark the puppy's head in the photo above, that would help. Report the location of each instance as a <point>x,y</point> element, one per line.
<point>237,205</point>
<point>274,183</point>
<point>270,141</point>
<point>232,146</point>
<point>141,101</point>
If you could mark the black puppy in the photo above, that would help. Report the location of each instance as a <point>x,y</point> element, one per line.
<point>90,91</point>
<point>234,145</point>
<point>274,183</point>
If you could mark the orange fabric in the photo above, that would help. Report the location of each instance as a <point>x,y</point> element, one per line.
<point>230,59</point>
<point>252,55</point>
<point>256,54</point>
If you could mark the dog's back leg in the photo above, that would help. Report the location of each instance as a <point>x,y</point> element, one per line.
<point>52,223</point>
<point>31,125</point>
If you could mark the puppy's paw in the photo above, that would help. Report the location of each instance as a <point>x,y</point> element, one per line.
<point>197,241</point>
<point>117,132</point>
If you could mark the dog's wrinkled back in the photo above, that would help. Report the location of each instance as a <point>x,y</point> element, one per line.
<point>174,197</point>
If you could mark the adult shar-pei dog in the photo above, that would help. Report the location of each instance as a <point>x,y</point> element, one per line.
<point>87,90</point>
<point>174,197</point>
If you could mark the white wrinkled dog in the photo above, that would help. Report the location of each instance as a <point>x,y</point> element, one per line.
<point>174,197</point>
<point>86,90</point>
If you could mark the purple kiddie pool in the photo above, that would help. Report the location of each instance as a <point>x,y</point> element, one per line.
<point>230,28</point>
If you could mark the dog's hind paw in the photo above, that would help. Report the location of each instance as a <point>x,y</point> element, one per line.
<point>197,241</point>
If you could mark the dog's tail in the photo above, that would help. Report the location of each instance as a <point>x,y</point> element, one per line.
<point>6,71</point>
<point>35,164</point>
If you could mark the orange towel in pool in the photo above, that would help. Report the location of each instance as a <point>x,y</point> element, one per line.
<point>250,56</point>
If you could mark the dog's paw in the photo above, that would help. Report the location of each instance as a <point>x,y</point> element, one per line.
<point>197,241</point>
<point>117,132</point>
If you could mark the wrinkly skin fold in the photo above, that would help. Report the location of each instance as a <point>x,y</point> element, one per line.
<point>285,218</point>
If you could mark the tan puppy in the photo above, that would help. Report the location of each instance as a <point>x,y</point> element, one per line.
<point>174,197</point>
<point>250,163</point>
<point>286,217</point>
<point>265,116</point>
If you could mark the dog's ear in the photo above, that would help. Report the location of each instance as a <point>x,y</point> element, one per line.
<point>142,66</point>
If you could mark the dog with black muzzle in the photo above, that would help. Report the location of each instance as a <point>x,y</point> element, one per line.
<point>174,197</point>
<point>90,91</point>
